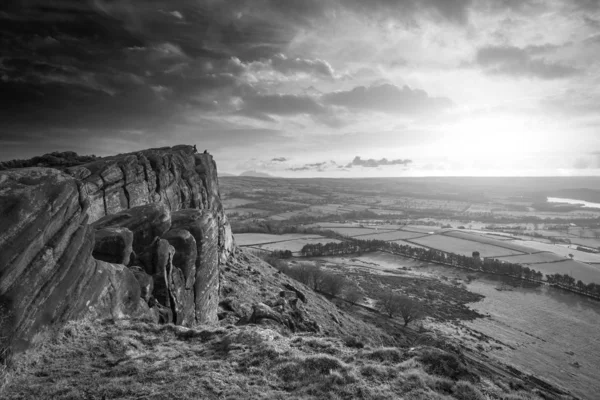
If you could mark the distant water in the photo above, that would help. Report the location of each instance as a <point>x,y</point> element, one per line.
<point>549,329</point>
<point>583,203</point>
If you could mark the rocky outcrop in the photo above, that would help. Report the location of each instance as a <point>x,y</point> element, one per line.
<point>138,235</point>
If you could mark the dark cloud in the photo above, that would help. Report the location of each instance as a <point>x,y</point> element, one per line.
<point>372,163</point>
<point>454,11</point>
<point>71,64</point>
<point>388,98</point>
<point>522,62</point>
<point>280,104</point>
<point>279,159</point>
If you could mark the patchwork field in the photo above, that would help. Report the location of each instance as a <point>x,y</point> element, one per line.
<point>245,211</point>
<point>578,270</point>
<point>563,251</point>
<point>233,202</point>
<point>422,229</point>
<point>389,236</point>
<point>509,244</point>
<point>537,258</point>
<point>461,246</point>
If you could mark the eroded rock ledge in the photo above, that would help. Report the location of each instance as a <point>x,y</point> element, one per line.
<point>140,234</point>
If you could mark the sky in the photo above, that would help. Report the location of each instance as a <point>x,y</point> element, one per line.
<point>309,88</point>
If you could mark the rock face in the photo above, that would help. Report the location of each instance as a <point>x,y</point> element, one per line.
<point>138,235</point>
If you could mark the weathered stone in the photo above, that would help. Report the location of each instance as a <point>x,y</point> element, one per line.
<point>182,299</point>
<point>146,223</point>
<point>186,253</point>
<point>202,224</point>
<point>114,292</point>
<point>300,295</point>
<point>47,272</point>
<point>156,256</point>
<point>113,245</point>
<point>146,282</point>
<point>262,311</point>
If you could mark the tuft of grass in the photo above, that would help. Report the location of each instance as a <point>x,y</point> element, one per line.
<point>465,391</point>
<point>440,362</point>
<point>385,355</point>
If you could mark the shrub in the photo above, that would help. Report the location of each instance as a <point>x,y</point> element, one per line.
<point>465,391</point>
<point>386,354</point>
<point>441,363</point>
<point>323,364</point>
<point>333,284</point>
<point>353,295</point>
<point>354,342</point>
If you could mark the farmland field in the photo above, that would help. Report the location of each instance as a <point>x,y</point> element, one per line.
<point>422,228</point>
<point>461,246</point>
<point>513,245</point>
<point>595,243</point>
<point>537,258</point>
<point>389,236</point>
<point>245,211</point>
<point>563,251</point>
<point>232,203</point>
<point>247,239</point>
<point>578,270</point>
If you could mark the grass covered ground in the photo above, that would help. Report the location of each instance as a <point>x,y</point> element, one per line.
<point>135,360</point>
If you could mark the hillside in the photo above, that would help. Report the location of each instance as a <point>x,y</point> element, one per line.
<point>120,278</point>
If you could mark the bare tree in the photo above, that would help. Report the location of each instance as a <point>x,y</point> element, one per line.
<point>396,304</point>
<point>353,295</point>
<point>389,303</point>
<point>410,310</point>
<point>333,284</point>
<point>317,278</point>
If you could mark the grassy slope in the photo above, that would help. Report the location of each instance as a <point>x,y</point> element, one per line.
<point>249,280</point>
<point>136,360</point>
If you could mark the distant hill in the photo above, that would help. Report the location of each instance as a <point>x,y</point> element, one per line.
<point>222,174</point>
<point>257,174</point>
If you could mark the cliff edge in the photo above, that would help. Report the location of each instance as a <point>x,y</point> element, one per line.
<point>139,235</point>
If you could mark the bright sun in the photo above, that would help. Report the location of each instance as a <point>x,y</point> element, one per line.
<point>500,143</point>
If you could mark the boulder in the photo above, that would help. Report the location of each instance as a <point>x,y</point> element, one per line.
<point>113,245</point>
<point>299,294</point>
<point>123,299</point>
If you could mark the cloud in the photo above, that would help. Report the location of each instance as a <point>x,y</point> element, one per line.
<point>372,163</point>
<point>279,159</point>
<point>318,167</point>
<point>286,65</point>
<point>521,62</point>
<point>388,98</point>
<point>280,104</point>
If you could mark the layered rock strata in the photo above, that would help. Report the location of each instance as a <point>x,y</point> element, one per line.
<point>140,235</point>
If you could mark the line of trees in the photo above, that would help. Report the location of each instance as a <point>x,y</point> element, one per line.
<point>358,246</point>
